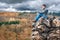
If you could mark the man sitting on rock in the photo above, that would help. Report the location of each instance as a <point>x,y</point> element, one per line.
<point>43,14</point>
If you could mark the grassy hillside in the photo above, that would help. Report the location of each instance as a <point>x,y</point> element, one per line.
<point>20,31</point>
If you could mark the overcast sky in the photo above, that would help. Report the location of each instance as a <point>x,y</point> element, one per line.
<point>15,5</point>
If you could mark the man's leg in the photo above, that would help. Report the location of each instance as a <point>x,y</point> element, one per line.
<point>44,16</point>
<point>38,16</point>
<point>36,19</point>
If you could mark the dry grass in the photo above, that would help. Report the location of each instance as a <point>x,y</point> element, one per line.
<point>20,31</point>
<point>8,14</point>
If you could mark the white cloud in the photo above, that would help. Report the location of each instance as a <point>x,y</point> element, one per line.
<point>54,7</point>
<point>6,7</point>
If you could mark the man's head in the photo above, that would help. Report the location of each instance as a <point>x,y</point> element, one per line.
<point>43,6</point>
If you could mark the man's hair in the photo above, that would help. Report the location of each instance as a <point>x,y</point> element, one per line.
<point>44,5</point>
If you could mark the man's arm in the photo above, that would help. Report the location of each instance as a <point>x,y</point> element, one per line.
<point>45,12</point>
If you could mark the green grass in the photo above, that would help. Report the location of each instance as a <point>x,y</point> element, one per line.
<point>9,23</point>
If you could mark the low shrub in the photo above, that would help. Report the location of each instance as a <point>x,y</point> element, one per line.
<point>9,23</point>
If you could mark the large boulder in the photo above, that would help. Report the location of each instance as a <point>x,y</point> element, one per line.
<point>56,22</point>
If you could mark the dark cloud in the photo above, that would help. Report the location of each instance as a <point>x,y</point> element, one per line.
<point>14,1</point>
<point>28,4</point>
